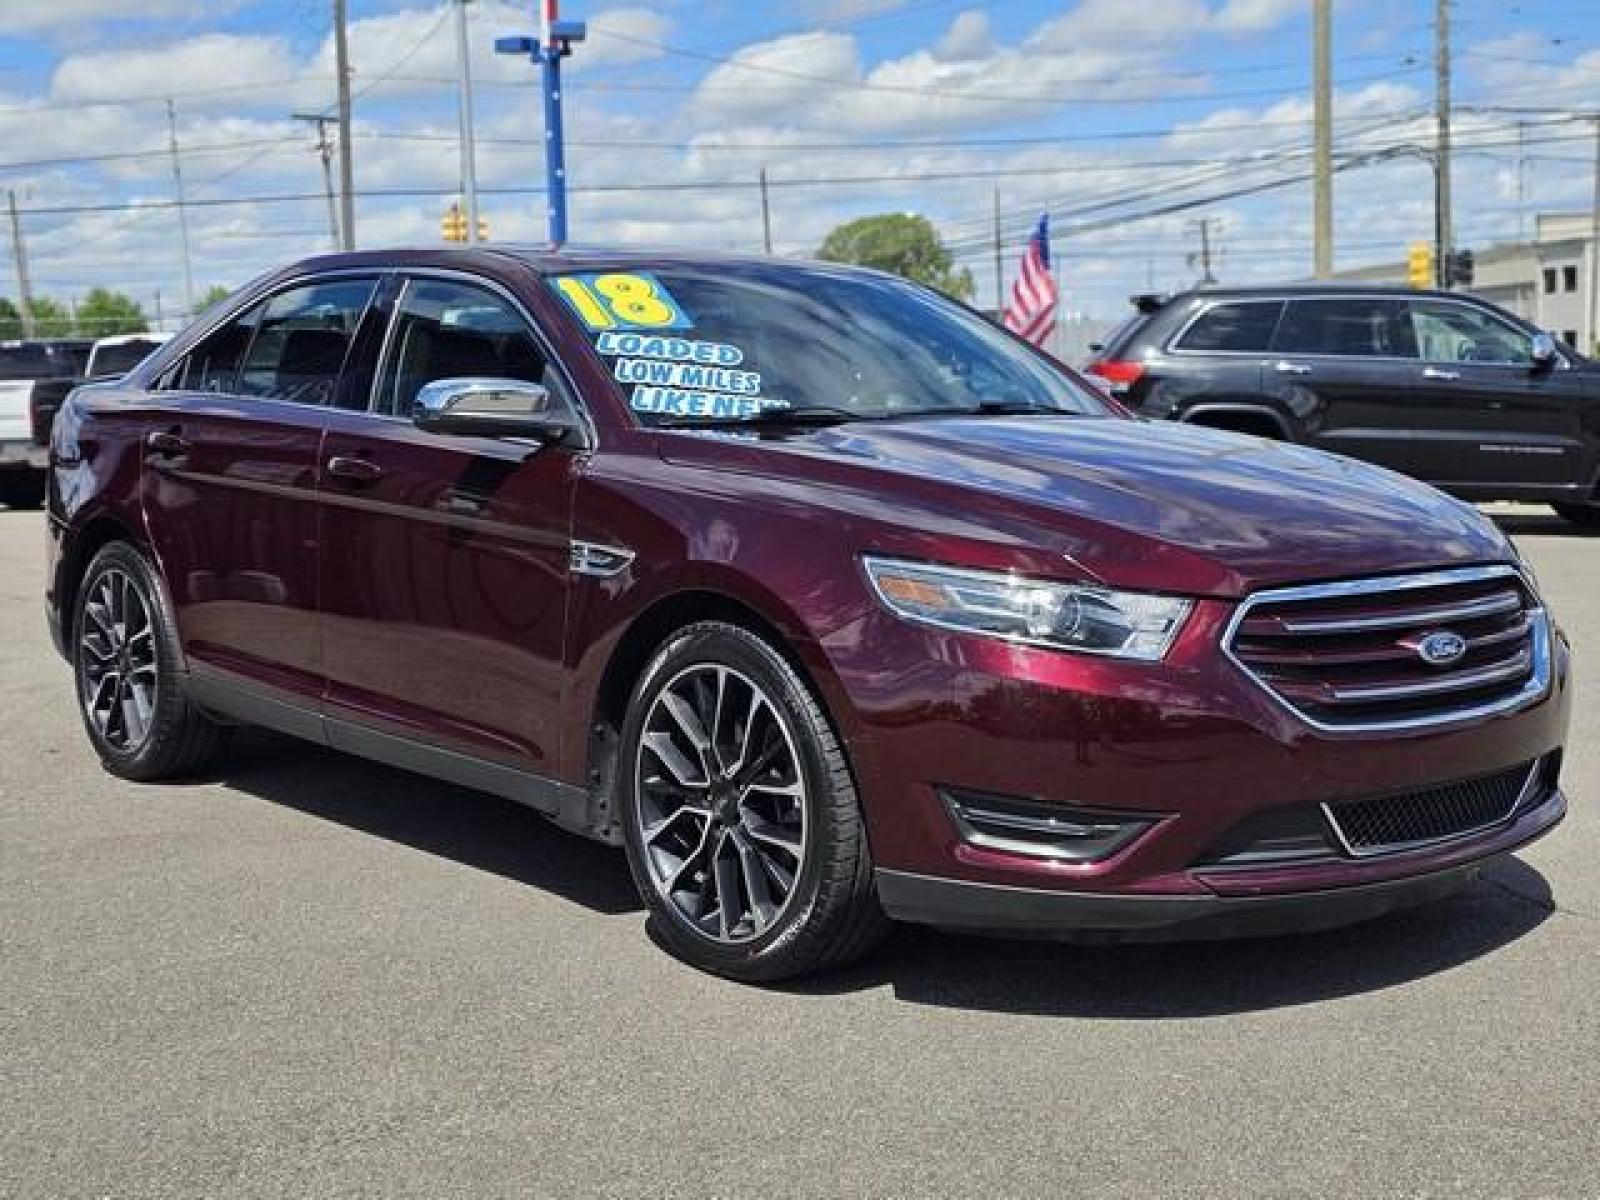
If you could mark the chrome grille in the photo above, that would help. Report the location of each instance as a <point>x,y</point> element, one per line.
<point>1350,656</point>
<point>1385,824</point>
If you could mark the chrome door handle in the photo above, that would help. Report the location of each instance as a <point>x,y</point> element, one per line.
<point>354,470</point>
<point>1284,367</point>
<point>1436,373</point>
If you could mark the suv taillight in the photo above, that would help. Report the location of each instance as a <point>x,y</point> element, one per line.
<point>1120,373</point>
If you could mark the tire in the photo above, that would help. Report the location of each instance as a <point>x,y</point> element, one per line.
<point>127,673</point>
<point>771,799</point>
<point>1586,515</point>
<point>23,490</point>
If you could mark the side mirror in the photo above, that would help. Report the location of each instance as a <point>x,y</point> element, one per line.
<point>1543,352</point>
<point>483,406</point>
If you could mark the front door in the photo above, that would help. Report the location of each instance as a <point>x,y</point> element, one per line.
<point>229,483</point>
<point>444,566</point>
<point>1484,415</point>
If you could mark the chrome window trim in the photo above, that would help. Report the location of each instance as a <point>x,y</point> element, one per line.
<point>254,293</point>
<point>1173,347</point>
<point>1525,793</point>
<point>1537,686</point>
<point>1170,347</point>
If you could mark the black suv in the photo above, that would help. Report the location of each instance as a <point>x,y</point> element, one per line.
<point>1439,385</point>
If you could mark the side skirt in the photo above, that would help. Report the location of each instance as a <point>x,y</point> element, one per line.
<point>570,807</point>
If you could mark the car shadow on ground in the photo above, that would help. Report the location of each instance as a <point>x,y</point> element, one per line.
<point>1546,524</point>
<point>1197,979</point>
<point>474,829</point>
<point>920,966</point>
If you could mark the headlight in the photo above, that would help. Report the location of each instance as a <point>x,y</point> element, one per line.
<point>1065,616</point>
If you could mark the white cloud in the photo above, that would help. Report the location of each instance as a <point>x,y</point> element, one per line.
<point>212,61</point>
<point>967,38</point>
<point>24,16</point>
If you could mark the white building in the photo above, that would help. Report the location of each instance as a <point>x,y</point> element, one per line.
<point>1545,281</point>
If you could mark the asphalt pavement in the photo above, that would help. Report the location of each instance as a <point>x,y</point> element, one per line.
<point>306,975</point>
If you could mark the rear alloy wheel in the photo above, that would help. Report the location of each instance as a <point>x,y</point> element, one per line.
<point>1587,515</point>
<point>126,662</point>
<point>740,817</point>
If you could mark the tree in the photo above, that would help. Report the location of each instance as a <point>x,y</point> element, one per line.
<point>105,313</point>
<point>214,294</point>
<point>902,243</point>
<point>10,321</point>
<point>50,318</point>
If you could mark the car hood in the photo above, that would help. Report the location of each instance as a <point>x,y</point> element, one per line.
<point>1135,502</point>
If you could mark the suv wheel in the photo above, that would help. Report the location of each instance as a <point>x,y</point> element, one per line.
<point>1587,515</point>
<point>739,814</point>
<point>125,658</point>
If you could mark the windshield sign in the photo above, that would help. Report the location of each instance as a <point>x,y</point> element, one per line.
<point>745,342</point>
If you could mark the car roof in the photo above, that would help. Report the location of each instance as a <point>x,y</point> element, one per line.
<point>124,339</point>
<point>1300,290</point>
<point>548,260</point>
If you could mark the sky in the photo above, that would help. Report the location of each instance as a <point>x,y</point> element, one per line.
<point>1129,121</point>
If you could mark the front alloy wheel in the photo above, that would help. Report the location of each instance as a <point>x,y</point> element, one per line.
<point>721,803</point>
<point>739,812</point>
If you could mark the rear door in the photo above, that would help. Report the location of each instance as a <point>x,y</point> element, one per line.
<point>445,558</point>
<point>1485,417</point>
<point>1212,367</point>
<point>1346,367</point>
<point>229,483</point>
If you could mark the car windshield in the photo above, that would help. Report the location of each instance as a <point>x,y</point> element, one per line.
<point>25,360</point>
<point>761,343</point>
<point>121,357</point>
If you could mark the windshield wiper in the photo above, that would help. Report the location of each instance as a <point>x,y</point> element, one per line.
<point>1013,408</point>
<point>812,414</point>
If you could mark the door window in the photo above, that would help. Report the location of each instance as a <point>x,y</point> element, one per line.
<point>1457,333</point>
<point>1233,328</point>
<point>1357,326</point>
<point>301,341</point>
<point>213,365</point>
<point>444,330</point>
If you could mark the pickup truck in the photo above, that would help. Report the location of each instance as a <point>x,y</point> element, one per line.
<point>35,378</point>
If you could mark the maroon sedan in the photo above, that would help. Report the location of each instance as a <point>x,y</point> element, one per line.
<point>825,598</point>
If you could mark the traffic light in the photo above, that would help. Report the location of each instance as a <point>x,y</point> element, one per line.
<point>1460,268</point>
<point>1419,265</point>
<point>453,225</point>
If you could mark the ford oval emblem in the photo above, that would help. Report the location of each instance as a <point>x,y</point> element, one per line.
<point>1442,648</point>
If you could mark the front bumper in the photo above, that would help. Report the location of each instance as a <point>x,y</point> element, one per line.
<point>1192,746</point>
<point>1109,916</point>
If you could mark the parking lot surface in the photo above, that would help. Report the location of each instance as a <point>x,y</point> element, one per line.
<point>306,975</point>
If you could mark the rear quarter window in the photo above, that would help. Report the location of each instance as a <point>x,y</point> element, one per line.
<point>1242,328</point>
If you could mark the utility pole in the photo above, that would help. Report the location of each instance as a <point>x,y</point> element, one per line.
<point>1322,165</point>
<point>1443,237</point>
<point>548,49</point>
<point>1594,249</point>
<point>347,184</point>
<point>183,214</point>
<point>766,214</point>
<point>999,266</point>
<point>19,259</point>
<point>469,158</point>
<point>325,152</point>
<point>1203,259</point>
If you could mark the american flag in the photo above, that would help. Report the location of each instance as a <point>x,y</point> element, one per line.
<point>1032,311</point>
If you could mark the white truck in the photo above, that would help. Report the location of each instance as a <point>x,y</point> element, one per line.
<point>35,378</point>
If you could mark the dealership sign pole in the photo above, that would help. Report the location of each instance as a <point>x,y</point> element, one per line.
<point>548,49</point>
